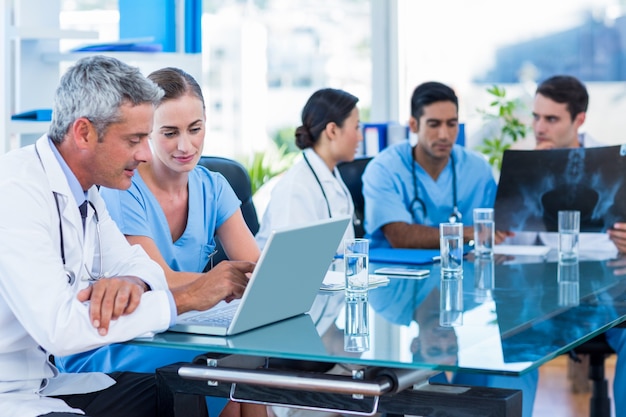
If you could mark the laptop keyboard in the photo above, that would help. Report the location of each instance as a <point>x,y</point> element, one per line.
<point>217,316</point>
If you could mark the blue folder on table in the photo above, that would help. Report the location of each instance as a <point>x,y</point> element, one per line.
<point>404,256</point>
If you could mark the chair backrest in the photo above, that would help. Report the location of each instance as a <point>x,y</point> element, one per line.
<point>351,173</point>
<point>239,180</point>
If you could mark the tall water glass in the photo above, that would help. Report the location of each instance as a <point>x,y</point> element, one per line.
<point>451,248</point>
<point>356,259</point>
<point>569,228</point>
<point>484,232</point>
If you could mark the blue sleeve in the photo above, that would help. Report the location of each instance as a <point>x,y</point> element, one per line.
<point>486,181</point>
<point>490,193</point>
<point>229,203</point>
<point>385,200</point>
<point>476,184</point>
<point>218,189</point>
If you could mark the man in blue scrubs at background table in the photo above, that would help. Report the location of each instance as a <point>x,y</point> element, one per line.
<point>409,190</point>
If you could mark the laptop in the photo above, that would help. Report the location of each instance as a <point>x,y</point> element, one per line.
<point>535,185</point>
<point>284,283</point>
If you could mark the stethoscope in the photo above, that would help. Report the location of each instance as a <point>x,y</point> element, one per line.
<point>320,185</point>
<point>456,215</point>
<point>71,276</point>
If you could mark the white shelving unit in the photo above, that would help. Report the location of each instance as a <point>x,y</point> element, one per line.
<point>43,33</point>
<point>30,29</point>
<point>32,63</point>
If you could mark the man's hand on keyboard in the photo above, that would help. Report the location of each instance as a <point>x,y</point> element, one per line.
<point>226,281</point>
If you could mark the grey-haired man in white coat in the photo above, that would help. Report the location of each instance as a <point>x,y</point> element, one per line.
<point>69,280</point>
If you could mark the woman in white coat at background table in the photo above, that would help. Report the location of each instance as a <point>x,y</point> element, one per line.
<point>312,189</point>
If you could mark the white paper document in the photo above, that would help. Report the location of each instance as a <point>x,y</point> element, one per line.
<point>530,250</point>
<point>336,281</point>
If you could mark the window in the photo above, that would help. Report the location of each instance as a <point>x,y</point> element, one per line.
<point>472,45</point>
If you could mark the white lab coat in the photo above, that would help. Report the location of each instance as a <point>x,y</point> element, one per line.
<point>39,311</point>
<point>297,198</point>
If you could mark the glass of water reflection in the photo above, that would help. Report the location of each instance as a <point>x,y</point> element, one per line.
<point>569,282</point>
<point>356,259</point>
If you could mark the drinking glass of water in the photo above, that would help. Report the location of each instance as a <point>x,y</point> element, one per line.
<point>484,233</point>
<point>451,246</point>
<point>569,228</point>
<point>356,259</point>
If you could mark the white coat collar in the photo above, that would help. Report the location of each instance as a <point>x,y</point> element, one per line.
<point>57,178</point>
<point>321,169</point>
<point>60,187</point>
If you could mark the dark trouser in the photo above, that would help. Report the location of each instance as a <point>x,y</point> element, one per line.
<point>133,395</point>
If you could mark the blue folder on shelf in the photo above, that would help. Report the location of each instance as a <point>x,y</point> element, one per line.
<point>38,115</point>
<point>404,256</point>
<point>123,45</point>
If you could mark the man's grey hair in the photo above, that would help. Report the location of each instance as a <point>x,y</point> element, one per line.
<point>95,88</point>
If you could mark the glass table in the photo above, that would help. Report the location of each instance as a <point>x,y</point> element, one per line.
<point>507,316</point>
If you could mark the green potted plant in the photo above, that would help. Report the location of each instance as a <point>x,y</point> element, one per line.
<point>509,128</point>
<point>263,165</point>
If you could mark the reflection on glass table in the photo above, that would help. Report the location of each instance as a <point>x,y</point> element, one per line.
<point>512,321</point>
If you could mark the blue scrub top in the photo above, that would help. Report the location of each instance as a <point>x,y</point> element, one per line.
<point>211,202</point>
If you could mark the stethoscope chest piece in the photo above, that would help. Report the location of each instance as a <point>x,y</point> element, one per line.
<point>455,216</point>
<point>71,277</point>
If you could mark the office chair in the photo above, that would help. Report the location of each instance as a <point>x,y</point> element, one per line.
<point>597,349</point>
<point>239,180</point>
<point>351,173</point>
